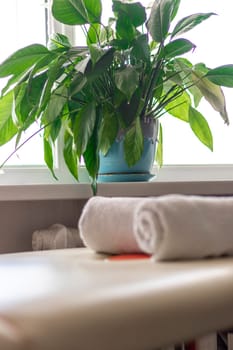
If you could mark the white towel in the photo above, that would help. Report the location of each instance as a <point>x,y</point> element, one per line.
<point>56,236</point>
<point>185,227</point>
<point>168,227</point>
<point>106,225</point>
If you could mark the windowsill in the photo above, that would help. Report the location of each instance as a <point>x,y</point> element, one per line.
<point>39,184</point>
<point>83,191</point>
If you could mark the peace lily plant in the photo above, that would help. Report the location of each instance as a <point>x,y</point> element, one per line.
<point>130,69</point>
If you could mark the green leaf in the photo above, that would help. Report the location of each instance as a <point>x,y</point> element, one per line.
<point>107,32</point>
<point>77,84</point>
<point>35,82</point>
<point>182,64</point>
<point>201,68</point>
<point>7,128</point>
<point>212,93</point>
<point>159,149</point>
<point>183,75</point>
<point>77,12</point>
<point>27,101</point>
<point>93,9</point>
<point>59,41</point>
<point>35,86</point>
<point>158,86</point>
<point>83,65</point>
<point>120,44</point>
<point>23,111</point>
<point>179,107</point>
<point>53,73</point>
<point>13,81</point>
<point>127,80</point>
<point>189,22</point>
<point>197,95</point>
<point>55,105</point>
<point>178,47</point>
<point>22,60</point>
<point>160,19</point>
<point>28,93</point>
<point>83,127</point>
<point>93,72</point>
<point>200,127</point>
<point>19,93</point>
<point>70,155</point>
<point>134,11</point>
<point>48,156</point>
<point>28,74</point>
<point>93,34</point>
<point>222,75</point>
<point>65,12</point>
<point>108,131</point>
<point>175,8</point>
<point>125,29</point>
<point>140,48</point>
<point>91,154</point>
<point>129,110</point>
<point>105,60</point>
<point>96,53</point>
<point>52,130</point>
<point>27,98</point>
<point>133,144</point>
<point>91,157</point>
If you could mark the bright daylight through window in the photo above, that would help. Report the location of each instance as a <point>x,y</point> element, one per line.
<point>213,48</point>
<point>28,25</point>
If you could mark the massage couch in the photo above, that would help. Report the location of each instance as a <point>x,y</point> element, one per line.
<point>75,299</point>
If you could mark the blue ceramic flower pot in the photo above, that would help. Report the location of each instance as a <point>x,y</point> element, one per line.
<point>113,167</point>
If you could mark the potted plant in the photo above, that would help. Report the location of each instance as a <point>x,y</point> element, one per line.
<point>130,73</point>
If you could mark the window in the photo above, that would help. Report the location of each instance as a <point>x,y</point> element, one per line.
<point>214,48</point>
<point>29,24</point>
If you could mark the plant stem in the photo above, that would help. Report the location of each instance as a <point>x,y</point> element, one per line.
<point>22,144</point>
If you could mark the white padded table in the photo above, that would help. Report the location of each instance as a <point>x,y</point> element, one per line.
<point>75,299</point>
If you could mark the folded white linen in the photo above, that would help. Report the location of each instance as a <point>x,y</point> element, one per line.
<point>56,236</point>
<point>185,227</point>
<point>169,227</point>
<point>106,225</point>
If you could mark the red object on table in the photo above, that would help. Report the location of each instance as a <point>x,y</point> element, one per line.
<point>129,256</point>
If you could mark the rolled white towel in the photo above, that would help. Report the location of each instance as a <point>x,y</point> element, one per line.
<point>106,225</point>
<point>56,236</point>
<point>185,227</point>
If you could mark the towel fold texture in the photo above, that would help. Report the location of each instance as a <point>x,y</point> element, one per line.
<point>185,227</point>
<point>168,227</point>
<point>56,236</point>
<point>106,225</point>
